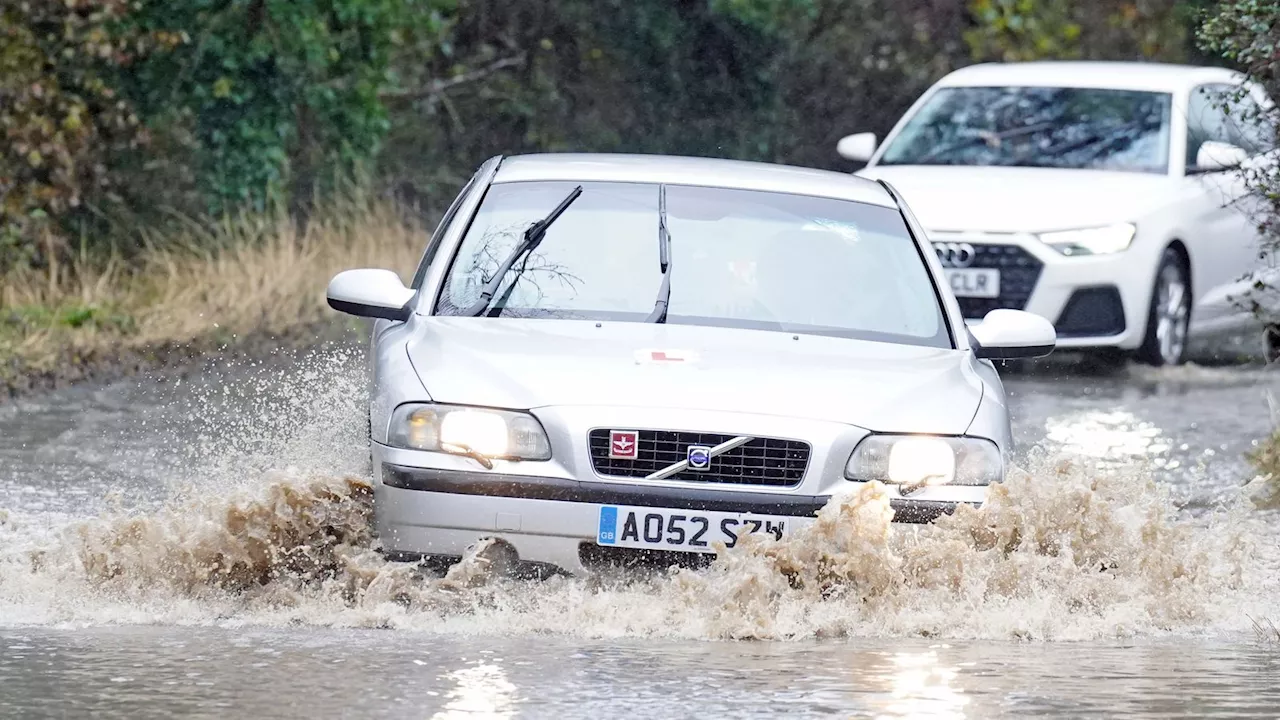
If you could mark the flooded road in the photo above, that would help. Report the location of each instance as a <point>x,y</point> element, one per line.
<point>211,673</point>
<point>198,545</point>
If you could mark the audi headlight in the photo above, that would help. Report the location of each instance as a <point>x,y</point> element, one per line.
<point>1091,241</point>
<point>475,432</point>
<point>918,460</point>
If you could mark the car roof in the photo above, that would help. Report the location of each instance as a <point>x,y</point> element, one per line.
<point>1150,76</point>
<point>706,172</point>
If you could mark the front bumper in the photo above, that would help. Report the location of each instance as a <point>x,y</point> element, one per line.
<point>554,520</point>
<point>1111,294</point>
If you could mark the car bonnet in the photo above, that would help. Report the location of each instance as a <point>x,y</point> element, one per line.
<point>526,364</point>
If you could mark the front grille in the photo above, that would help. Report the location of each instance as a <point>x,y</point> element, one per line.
<point>762,461</point>
<point>1019,271</point>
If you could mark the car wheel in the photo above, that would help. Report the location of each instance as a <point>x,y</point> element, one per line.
<point>1170,313</point>
<point>1271,343</point>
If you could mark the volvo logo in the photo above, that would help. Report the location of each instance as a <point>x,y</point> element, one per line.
<point>955,255</point>
<point>699,457</point>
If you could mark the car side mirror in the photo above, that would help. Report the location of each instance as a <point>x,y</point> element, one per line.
<point>1011,334</point>
<point>370,293</point>
<point>859,147</point>
<point>1214,156</point>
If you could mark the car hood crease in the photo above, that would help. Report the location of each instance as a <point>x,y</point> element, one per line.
<point>528,364</point>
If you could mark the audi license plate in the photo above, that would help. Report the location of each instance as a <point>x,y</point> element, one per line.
<point>686,530</point>
<point>974,282</point>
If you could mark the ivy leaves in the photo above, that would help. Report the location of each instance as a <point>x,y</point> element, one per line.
<point>61,119</point>
<point>279,94</point>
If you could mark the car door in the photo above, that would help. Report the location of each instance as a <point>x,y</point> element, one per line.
<point>1222,226</point>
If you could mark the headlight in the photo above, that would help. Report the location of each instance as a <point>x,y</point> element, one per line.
<point>914,461</point>
<point>1091,241</point>
<point>475,432</point>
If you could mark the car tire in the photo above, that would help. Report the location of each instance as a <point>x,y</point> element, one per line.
<point>1169,314</point>
<point>1271,343</point>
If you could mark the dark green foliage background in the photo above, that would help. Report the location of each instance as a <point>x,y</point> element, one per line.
<point>150,109</point>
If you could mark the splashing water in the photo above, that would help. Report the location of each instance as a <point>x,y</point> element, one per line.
<point>271,525</point>
<point>1060,556</point>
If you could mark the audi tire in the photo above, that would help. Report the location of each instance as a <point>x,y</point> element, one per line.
<point>1271,343</point>
<point>1169,314</point>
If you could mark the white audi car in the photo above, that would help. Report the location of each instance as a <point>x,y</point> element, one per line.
<point>604,354</point>
<point>1106,197</point>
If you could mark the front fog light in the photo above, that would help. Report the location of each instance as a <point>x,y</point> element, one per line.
<point>476,432</point>
<point>919,460</point>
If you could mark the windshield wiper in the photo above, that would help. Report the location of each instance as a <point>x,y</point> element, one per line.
<point>659,314</point>
<point>532,237</point>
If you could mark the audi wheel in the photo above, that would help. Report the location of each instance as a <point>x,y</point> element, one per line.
<point>1271,343</point>
<point>1169,315</point>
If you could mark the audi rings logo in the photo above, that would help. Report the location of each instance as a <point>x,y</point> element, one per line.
<point>955,255</point>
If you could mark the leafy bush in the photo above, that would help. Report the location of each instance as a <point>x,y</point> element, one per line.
<point>278,93</point>
<point>1245,33</point>
<point>62,120</point>
<point>145,109</point>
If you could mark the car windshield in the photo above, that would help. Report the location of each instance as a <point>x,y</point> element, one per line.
<point>739,258</point>
<point>1081,128</point>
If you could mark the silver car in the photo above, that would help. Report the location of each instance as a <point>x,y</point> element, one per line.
<point>604,357</point>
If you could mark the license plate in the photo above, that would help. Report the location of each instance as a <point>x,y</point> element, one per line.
<point>686,530</point>
<point>975,282</point>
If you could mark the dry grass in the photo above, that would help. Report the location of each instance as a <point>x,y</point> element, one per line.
<point>248,274</point>
<point>1266,630</point>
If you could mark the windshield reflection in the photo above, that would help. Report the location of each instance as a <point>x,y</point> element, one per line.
<point>1079,128</point>
<point>740,259</point>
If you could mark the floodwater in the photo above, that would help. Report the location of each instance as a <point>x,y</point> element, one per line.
<point>197,544</point>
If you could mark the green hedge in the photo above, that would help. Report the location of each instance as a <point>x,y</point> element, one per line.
<point>133,112</point>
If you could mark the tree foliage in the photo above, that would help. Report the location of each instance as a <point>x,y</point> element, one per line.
<point>62,121</point>
<point>276,92</point>
<point>1020,30</point>
<point>211,105</point>
<point>1247,34</point>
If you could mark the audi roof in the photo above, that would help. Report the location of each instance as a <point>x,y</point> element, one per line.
<point>676,170</point>
<point>1150,76</point>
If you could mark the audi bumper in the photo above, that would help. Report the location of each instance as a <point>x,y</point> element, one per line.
<point>1093,301</point>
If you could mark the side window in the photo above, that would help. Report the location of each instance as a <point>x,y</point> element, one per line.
<point>1250,127</point>
<point>421,273</point>
<point>1227,113</point>
<point>1206,121</point>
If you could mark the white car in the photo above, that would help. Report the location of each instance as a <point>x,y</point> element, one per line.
<point>1105,197</point>
<point>605,354</point>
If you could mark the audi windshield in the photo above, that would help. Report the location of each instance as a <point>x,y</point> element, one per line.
<point>1121,130</point>
<point>738,258</point>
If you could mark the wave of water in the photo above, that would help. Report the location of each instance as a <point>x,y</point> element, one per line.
<point>272,526</point>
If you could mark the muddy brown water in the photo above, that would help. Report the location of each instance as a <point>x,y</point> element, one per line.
<point>197,545</point>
